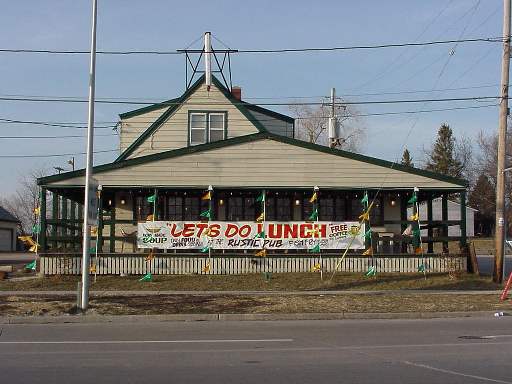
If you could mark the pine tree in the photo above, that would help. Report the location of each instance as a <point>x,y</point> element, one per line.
<point>442,157</point>
<point>407,159</point>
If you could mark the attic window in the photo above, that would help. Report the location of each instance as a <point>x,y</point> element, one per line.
<point>205,127</point>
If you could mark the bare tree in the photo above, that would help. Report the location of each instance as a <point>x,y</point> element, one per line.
<point>312,122</point>
<point>24,200</point>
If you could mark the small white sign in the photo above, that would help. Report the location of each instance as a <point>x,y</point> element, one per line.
<point>92,212</point>
<point>501,221</point>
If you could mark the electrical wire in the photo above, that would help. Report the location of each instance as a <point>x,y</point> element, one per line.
<point>281,50</point>
<point>53,155</point>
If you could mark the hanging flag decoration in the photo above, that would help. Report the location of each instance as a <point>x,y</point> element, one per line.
<point>261,198</point>
<point>413,199</point>
<point>205,249</point>
<point>207,213</point>
<point>28,240</point>
<point>313,232</point>
<point>150,256</point>
<point>365,216</point>
<point>371,272</point>
<point>31,266</point>
<point>37,210</point>
<point>315,249</point>
<point>261,253</point>
<point>368,252</point>
<point>147,277</point>
<point>314,197</point>
<point>92,250</point>
<point>415,217</point>
<point>206,268</point>
<point>422,268</point>
<point>152,198</point>
<point>260,235</point>
<point>150,218</point>
<point>92,268</point>
<point>368,234</point>
<point>364,200</point>
<point>94,230</point>
<point>207,196</point>
<point>418,250</point>
<point>314,215</point>
<point>316,267</point>
<point>207,232</point>
<point>36,229</point>
<point>261,217</point>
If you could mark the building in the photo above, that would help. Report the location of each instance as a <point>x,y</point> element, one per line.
<point>454,214</point>
<point>209,136</point>
<point>8,231</point>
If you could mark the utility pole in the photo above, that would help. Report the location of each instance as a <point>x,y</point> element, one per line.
<point>333,128</point>
<point>84,299</point>
<point>502,136</point>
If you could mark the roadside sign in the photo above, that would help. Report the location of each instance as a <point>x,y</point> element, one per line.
<point>92,212</point>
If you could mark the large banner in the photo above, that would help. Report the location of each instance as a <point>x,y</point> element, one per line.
<point>249,235</point>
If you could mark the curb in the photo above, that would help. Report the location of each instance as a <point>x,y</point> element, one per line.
<point>236,317</point>
<point>255,293</point>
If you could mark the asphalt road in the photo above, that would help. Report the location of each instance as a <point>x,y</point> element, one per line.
<point>370,351</point>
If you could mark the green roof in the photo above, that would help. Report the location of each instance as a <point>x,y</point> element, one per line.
<point>245,139</point>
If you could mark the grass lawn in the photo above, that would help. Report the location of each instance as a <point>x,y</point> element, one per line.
<point>258,282</point>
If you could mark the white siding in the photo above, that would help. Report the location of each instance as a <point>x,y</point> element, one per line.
<point>173,133</point>
<point>262,163</point>
<point>133,127</point>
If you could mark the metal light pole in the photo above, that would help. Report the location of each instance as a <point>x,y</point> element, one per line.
<point>502,133</point>
<point>84,302</point>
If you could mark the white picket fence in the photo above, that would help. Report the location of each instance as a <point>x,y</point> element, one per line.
<point>181,265</point>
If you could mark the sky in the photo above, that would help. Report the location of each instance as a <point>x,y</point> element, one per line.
<point>436,71</point>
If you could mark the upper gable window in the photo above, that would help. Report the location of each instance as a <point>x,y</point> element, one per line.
<point>205,127</point>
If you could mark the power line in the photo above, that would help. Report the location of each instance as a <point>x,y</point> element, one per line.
<point>53,155</point>
<point>171,103</point>
<point>51,124</point>
<point>281,50</point>
<point>55,137</point>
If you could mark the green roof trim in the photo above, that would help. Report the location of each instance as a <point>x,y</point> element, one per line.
<point>249,138</point>
<point>147,109</point>
<point>177,103</point>
<point>268,112</point>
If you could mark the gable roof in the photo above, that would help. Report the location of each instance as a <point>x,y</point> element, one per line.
<point>459,183</point>
<point>174,104</point>
<point>5,215</point>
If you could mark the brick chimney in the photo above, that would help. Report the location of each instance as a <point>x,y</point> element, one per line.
<point>236,92</point>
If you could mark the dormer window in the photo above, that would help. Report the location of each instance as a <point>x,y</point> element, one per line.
<point>206,127</point>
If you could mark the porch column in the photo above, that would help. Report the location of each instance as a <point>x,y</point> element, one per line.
<point>113,225</point>
<point>430,230</point>
<point>55,218</point>
<point>72,223</point>
<point>463,239</point>
<point>42,218</point>
<point>64,221</point>
<point>444,218</point>
<point>403,219</point>
<point>100,224</point>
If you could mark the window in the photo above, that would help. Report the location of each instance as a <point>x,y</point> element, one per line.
<point>142,208</point>
<point>206,127</point>
<point>192,206</point>
<point>175,208</point>
<point>332,207</point>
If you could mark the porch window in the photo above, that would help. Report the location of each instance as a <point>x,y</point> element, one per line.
<point>205,127</point>
<point>332,208</point>
<point>191,208</point>
<point>279,208</point>
<point>241,208</point>
<point>175,208</point>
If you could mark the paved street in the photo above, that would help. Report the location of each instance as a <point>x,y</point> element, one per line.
<point>12,258</point>
<point>370,351</point>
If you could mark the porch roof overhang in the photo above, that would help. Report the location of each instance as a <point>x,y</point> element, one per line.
<point>307,161</point>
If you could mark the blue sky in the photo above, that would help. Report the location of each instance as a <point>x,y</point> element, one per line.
<point>163,25</point>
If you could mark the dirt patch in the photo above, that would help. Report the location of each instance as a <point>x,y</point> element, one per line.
<point>188,304</point>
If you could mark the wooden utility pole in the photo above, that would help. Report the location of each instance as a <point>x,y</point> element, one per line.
<point>502,136</point>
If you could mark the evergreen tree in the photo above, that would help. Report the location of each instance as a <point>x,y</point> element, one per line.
<point>407,159</point>
<point>442,157</point>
